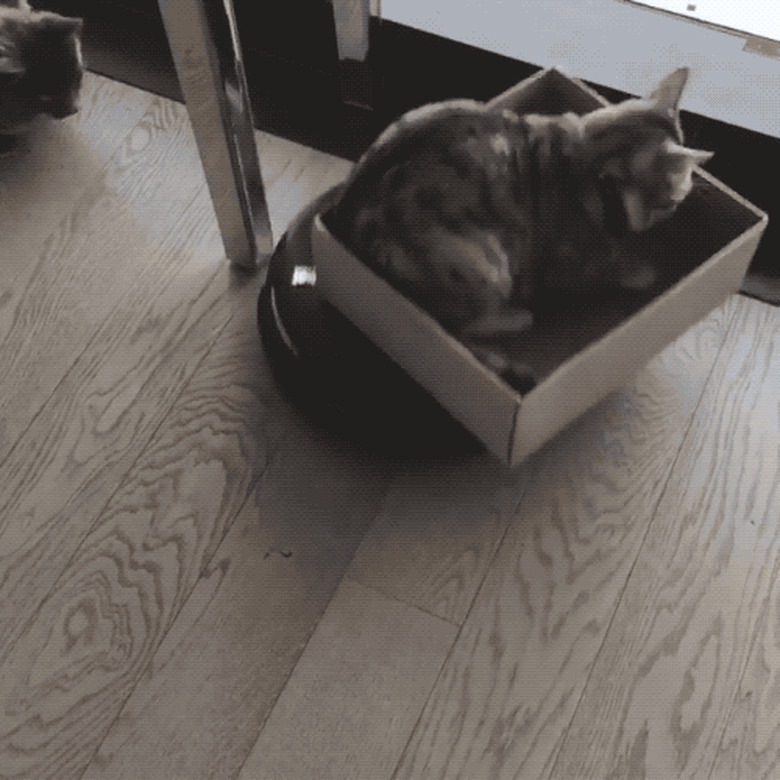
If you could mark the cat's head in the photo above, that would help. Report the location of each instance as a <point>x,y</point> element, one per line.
<point>634,154</point>
<point>40,67</point>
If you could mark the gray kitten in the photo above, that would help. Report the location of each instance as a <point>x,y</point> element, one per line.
<point>40,66</point>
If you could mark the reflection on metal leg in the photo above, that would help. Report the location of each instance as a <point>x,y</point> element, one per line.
<point>352,22</point>
<point>207,54</point>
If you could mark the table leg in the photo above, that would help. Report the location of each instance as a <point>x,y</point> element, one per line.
<point>352,21</point>
<point>206,51</point>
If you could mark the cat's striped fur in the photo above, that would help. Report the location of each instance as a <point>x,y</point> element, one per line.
<point>475,213</point>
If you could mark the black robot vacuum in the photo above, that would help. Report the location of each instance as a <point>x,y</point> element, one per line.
<point>332,372</point>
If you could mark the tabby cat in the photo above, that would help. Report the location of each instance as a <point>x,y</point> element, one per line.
<point>40,66</point>
<point>476,213</point>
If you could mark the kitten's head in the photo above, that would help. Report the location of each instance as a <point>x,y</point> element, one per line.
<point>635,155</point>
<point>40,67</point>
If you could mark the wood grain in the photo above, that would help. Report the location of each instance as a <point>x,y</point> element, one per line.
<point>50,169</point>
<point>121,488</point>
<point>750,746</point>
<point>172,531</point>
<point>214,679</point>
<point>354,696</point>
<point>132,225</point>
<point>511,685</point>
<point>68,467</point>
<point>294,175</point>
<point>128,368</point>
<point>437,532</point>
<point>661,691</point>
<point>234,643</point>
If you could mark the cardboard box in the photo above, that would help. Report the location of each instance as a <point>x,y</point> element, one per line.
<point>582,354</point>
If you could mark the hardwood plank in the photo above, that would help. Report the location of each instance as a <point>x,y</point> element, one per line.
<point>662,688</point>
<point>437,533</point>
<point>510,687</point>
<point>160,289</point>
<point>121,229</point>
<point>294,175</point>
<point>71,459</point>
<point>63,473</point>
<point>135,607</point>
<point>126,224</point>
<point>129,217</point>
<point>750,746</point>
<point>67,667</point>
<point>356,692</point>
<point>49,171</point>
<point>210,685</point>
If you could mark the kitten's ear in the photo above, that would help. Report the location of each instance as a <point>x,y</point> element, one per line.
<point>695,156</point>
<point>74,24</point>
<point>9,63</point>
<point>666,96</point>
<point>65,24</point>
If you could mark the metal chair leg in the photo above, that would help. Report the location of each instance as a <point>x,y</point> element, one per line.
<point>352,19</point>
<point>204,42</point>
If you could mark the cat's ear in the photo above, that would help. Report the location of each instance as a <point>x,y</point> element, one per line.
<point>67,25</point>
<point>666,96</point>
<point>9,62</point>
<point>694,156</point>
<point>73,24</point>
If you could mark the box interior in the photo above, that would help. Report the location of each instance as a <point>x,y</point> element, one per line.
<point>704,223</point>
<point>708,220</point>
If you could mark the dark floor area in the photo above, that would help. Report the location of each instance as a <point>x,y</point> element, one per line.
<point>295,91</point>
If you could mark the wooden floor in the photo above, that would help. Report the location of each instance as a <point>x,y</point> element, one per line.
<point>196,584</point>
